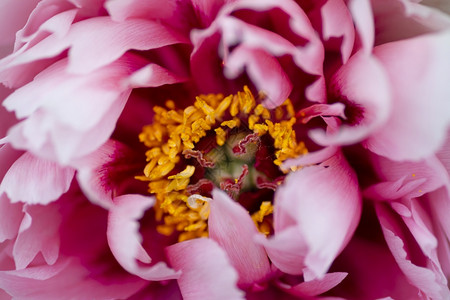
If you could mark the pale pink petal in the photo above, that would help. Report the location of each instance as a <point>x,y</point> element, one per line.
<point>8,156</point>
<point>112,40</point>
<point>127,9</point>
<point>152,75</point>
<point>66,277</point>
<point>403,19</point>
<point>432,283</point>
<point>362,85</point>
<point>417,126</point>
<point>425,176</point>
<point>38,232</point>
<point>391,190</point>
<point>231,226</point>
<point>323,110</point>
<point>361,11</point>
<point>286,253</point>
<point>315,287</point>
<point>206,271</point>
<point>337,22</point>
<point>74,127</point>
<point>125,241</point>
<point>35,180</point>
<point>7,118</point>
<point>12,216</point>
<point>311,158</point>
<point>45,20</point>
<point>264,71</point>
<point>323,201</point>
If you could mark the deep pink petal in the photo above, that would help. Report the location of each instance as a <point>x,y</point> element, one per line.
<point>362,85</point>
<point>38,232</point>
<point>35,180</point>
<point>206,271</point>
<point>323,201</point>
<point>264,71</point>
<point>419,120</point>
<point>231,226</point>
<point>125,241</point>
<point>428,279</point>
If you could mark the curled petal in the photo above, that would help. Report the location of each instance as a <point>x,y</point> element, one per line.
<point>265,72</point>
<point>12,216</point>
<point>316,286</point>
<point>323,203</point>
<point>35,180</point>
<point>38,232</point>
<point>206,270</point>
<point>429,279</point>
<point>232,228</point>
<point>125,241</point>
<point>362,85</point>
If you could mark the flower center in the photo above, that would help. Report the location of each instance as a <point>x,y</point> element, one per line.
<point>229,142</point>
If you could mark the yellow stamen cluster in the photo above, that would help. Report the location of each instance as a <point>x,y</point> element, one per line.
<point>174,131</point>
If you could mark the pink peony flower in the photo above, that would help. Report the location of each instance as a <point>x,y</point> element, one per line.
<point>224,149</point>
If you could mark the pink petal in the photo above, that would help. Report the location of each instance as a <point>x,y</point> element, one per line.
<point>232,228</point>
<point>122,10</point>
<point>34,180</point>
<point>12,18</point>
<point>287,250</point>
<point>419,120</point>
<point>311,158</point>
<point>12,216</point>
<point>362,16</point>
<point>66,277</point>
<point>317,286</point>
<point>112,40</point>
<point>152,75</point>
<point>97,170</point>
<point>429,281</point>
<point>324,203</point>
<point>264,71</point>
<point>39,232</point>
<point>206,270</point>
<point>337,22</point>
<point>77,125</point>
<point>418,177</point>
<point>125,241</point>
<point>361,85</point>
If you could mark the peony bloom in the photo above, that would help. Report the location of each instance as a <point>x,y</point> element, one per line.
<point>224,149</point>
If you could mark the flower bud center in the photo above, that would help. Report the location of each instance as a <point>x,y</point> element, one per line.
<point>232,143</point>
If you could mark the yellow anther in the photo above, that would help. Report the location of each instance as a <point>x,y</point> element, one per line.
<point>260,129</point>
<point>170,104</point>
<point>223,106</point>
<point>161,170</point>
<point>234,108</point>
<point>186,173</point>
<point>252,119</point>
<point>289,108</point>
<point>220,136</point>
<point>231,123</point>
